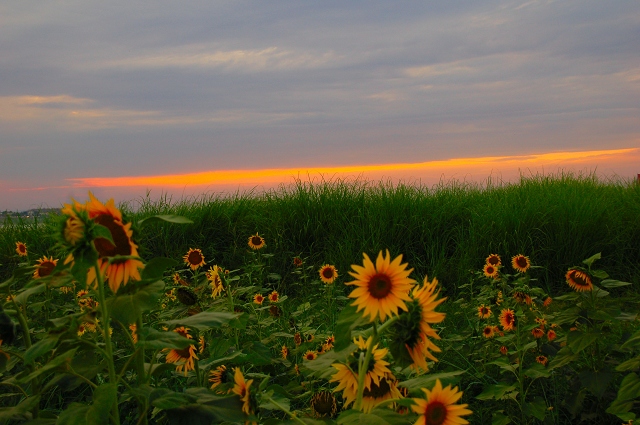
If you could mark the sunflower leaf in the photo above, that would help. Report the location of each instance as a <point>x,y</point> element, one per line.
<point>589,261</point>
<point>205,320</point>
<point>348,320</point>
<point>126,308</point>
<point>169,218</point>
<point>158,340</point>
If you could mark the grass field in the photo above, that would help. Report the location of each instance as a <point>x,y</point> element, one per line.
<point>562,361</point>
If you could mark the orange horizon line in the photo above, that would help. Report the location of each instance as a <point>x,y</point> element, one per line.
<point>273,174</point>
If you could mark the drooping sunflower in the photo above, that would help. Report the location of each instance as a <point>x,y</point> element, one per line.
<point>21,249</point>
<point>284,351</point>
<point>507,319</point>
<point>490,270</point>
<point>310,355</point>
<point>323,404</point>
<point>134,332</point>
<point>194,258</point>
<point>241,389</point>
<point>297,338</point>
<point>411,334</point>
<point>44,267</point>
<point>274,297</point>
<point>494,260</point>
<point>117,272</point>
<point>439,407</point>
<point>73,227</point>
<point>258,299</point>
<point>256,242</point>
<point>520,263</point>
<point>297,261</point>
<point>504,350</point>
<point>551,335</point>
<point>484,312</point>
<point>578,280</point>
<point>382,288</point>
<point>547,302</point>
<point>522,298</point>
<point>386,389</point>
<point>487,332</point>
<point>328,273</point>
<point>275,311</point>
<point>184,358</point>
<point>347,374</point>
<point>219,377</point>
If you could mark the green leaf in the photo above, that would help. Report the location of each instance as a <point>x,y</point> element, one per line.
<point>205,320</point>
<point>100,231</point>
<point>274,398</point>
<point>427,381</point>
<point>596,382</point>
<point>496,391</point>
<point>589,261</point>
<point>125,308</point>
<point>564,356</point>
<point>629,388</point>
<point>41,347</point>
<point>348,320</point>
<point>22,297</point>
<point>631,364</point>
<point>378,416</point>
<point>611,283</point>
<point>321,367</point>
<point>536,408</point>
<point>537,371</point>
<point>578,340</point>
<point>499,419</point>
<point>169,218</point>
<point>63,358</point>
<point>158,340</point>
<point>155,268</point>
<point>7,413</point>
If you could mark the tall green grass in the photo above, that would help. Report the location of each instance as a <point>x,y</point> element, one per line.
<point>444,231</point>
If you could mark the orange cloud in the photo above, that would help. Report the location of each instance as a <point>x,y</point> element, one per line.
<point>483,167</point>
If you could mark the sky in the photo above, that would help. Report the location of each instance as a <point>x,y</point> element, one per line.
<point>183,98</point>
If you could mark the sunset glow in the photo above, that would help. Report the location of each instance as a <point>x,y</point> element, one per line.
<point>456,166</point>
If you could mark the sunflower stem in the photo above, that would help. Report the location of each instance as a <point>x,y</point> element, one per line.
<point>104,311</point>
<point>291,415</point>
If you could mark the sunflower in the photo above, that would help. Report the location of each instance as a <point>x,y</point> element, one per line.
<point>21,249</point>
<point>284,351</point>
<point>490,270</point>
<point>537,332</point>
<point>551,335</point>
<point>522,298</point>
<point>484,312</point>
<point>494,260</point>
<point>347,374</point>
<point>194,258</point>
<point>134,332</point>
<point>184,358</point>
<point>385,390</point>
<point>504,350</point>
<point>256,242</point>
<point>73,228</point>
<point>219,376</point>
<point>117,272</point>
<point>439,407</point>
<point>310,355</point>
<point>412,333</point>
<point>520,263</point>
<point>178,280</point>
<point>487,332</point>
<point>323,404</point>
<point>241,388</point>
<point>542,360</point>
<point>579,280</point>
<point>297,261</point>
<point>274,297</point>
<point>547,302</point>
<point>44,267</point>
<point>274,311</point>
<point>297,339</point>
<point>201,345</point>
<point>258,299</point>
<point>541,321</point>
<point>310,337</point>
<point>382,288</point>
<point>507,319</point>
<point>328,273</point>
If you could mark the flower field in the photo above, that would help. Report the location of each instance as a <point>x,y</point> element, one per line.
<point>349,303</point>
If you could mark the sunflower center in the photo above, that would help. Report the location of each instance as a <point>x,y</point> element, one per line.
<point>122,243</point>
<point>493,261</point>
<point>579,279</point>
<point>436,413</point>
<point>521,262</point>
<point>183,353</point>
<point>327,273</point>
<point>256,240</point>
<point>45,268</point>
<point>324,403</point>
<point>194,258</point>
<point>379,285</point>
<point>377,391</point>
